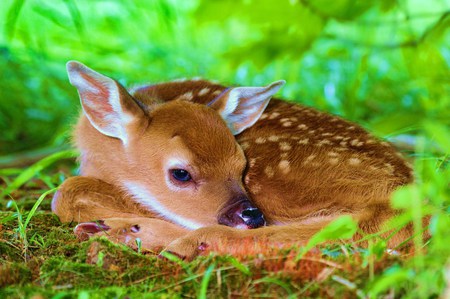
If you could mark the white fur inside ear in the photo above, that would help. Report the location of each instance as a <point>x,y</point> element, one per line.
<point>245,105</point>
<point>100,100</point>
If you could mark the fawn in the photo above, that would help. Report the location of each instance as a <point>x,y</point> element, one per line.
<point>185,163</point>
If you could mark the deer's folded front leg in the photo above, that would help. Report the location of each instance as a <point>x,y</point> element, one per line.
<point>104,209</point>
<point>191,244</point>
<point>148,233</point>
<point>85,199</point>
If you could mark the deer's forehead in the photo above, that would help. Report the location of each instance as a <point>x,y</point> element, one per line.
<point>211,150</point>
<point>200,133</point>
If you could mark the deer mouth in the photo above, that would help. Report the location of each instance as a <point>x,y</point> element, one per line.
<point>242,215</point>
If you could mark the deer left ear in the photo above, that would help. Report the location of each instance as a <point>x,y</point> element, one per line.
<point>241,107</point>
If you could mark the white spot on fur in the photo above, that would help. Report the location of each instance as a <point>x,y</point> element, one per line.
<point>260,140</point>
<point>284,119</point>
<point>284,155</point>
<point>338,137</point>
<point>274,138</point>
<point>245,145</point>
<point>255,188</point>
<point>354,161</point>
<point>309,159</point>
<point>389,167</point>
<point>274,115</point>
<point>333,161</point>
<point>293,119</point>
<point>303,141</point>
<point>287,124</point>
<point>264,116</point>
<point>203,91</point>
<point>188,96</point>
<point>332,154</point>
<point>284,146</point>
<point>252,162</point>
<point>284,166</point>
<point>323,142</point>
<point>302,126</point>
<point>351,128</point>
<point>143,196</point>
<point>217,92</point>
<point>269,171</point>
<point>356,142</point>
<point>327,134</point>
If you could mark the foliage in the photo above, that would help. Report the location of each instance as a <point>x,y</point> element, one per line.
<point>383,63</point>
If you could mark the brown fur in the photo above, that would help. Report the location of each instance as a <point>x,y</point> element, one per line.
<point>304,169</point>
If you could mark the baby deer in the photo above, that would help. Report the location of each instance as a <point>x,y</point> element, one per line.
<point>186,163</point>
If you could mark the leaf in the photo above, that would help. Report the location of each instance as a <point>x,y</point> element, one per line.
<point>439,133</point>
<point>12,17</point>
<point>390,278</point>
<point>342,228</point>
<point>340,9</point>
<point>402,197</point>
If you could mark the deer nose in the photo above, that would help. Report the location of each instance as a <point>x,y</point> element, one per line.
<point>242,214</point>
<point>253,218</point>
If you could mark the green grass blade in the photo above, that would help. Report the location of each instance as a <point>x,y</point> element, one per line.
<point>343,227</point>
<point>36,205</point>
<point>205,282</point>
<point>10,171</point>
<point>31,171</point>
<point>243,268</point>
<point>12,17</point>
<point>278,282</point>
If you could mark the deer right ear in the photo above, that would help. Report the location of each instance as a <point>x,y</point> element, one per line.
<point>107,105</point>
<point>241,107</point>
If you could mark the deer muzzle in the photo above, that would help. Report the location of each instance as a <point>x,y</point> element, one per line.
<point>241,214</point>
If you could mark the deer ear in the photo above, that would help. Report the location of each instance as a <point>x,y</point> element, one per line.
<point>241,107</point>
<point>107,105</point>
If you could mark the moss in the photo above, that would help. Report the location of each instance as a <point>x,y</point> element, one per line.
<point>14,273</point>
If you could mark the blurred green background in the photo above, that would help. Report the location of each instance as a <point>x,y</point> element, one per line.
<point>384,64</point>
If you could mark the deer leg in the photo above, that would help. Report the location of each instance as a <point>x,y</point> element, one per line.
<point>118,217</point>
<point>85,199</point>
<point>191,244</point>
<point>150,233</point>
<point>188,245</point>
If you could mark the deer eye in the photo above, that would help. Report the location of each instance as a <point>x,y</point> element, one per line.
<point>180,175</point>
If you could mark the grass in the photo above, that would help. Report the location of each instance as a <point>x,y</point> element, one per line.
<point>383,64</point>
